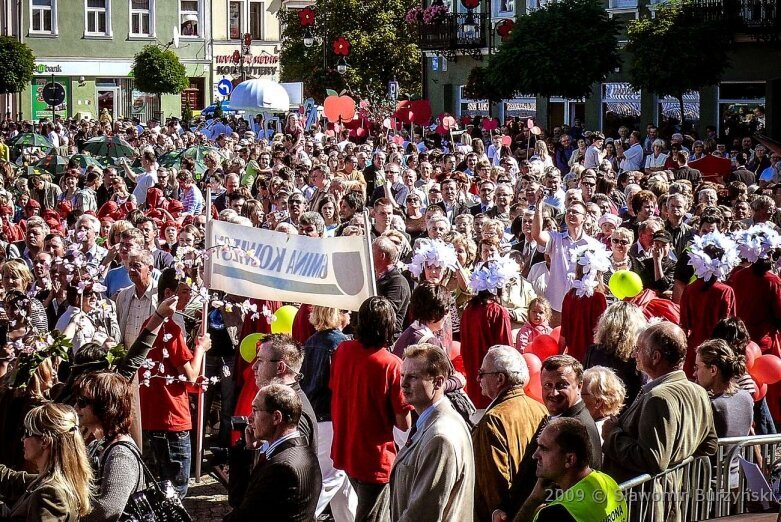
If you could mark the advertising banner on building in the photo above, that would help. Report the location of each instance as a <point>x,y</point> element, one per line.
<point>254,262</point>
<point>40,109</point>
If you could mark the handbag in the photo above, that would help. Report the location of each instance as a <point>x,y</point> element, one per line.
<point>158,502</point>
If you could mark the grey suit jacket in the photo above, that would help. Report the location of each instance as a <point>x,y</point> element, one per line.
<point>433,478</point>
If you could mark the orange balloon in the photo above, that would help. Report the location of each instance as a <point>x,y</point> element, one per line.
<point>760,391</point>
<point>533,363</point>
<point>767,369</point>
<point>556,333</point>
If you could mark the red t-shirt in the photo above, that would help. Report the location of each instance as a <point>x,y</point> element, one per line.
<point>701,310</point>
<point>579,316</point>
<point>482,326</point>
<point>166,407</point>
<point>366,386</point>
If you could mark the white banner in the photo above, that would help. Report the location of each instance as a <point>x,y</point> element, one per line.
<point>254,262</point>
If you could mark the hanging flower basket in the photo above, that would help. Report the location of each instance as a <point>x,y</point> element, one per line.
<point>434,14</point>
<point>414,15</point>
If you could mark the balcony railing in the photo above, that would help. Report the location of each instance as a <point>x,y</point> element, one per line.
<point>455,31</point>
<point>622,4</point>
<point>755,17</point>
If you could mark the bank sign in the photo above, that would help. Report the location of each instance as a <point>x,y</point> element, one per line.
<point>41,68</point>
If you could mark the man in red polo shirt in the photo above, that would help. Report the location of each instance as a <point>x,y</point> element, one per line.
<point>365,381</point>
<point>165,406</point>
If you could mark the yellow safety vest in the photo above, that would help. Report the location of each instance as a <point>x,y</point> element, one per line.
<point>596,498</point>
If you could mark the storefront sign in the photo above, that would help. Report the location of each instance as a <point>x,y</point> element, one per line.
<point>42,68</point>
<point>248,70</point>
<point>102,68</point>
<point>40,109</point>
<point>259,59</point>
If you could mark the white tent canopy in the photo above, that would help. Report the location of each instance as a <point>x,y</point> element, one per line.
<point>259,96</point>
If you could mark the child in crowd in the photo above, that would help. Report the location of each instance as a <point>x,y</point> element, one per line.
<point>537,323</point>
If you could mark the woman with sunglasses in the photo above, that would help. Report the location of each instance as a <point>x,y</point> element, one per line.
<point>620,242</point>
<point>60,491</point>
<point>103,405</point>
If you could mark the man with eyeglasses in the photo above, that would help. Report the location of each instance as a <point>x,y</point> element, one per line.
<point>278,360</point>
<point>393,188</point>
<point>502,434</point>
<point>562,380</point>
<point>486,198</point>
<point>559,245</point>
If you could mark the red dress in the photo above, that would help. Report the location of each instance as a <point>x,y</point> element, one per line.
<point>482,326</point>
<point>758,298</point>
<point>579,316</point>
<point>701,309</point>
<point>758,303</point>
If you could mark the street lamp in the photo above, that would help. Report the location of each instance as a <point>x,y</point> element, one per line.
<point>341,48</point>
<point>341,66</point>
<point>309,39</point>
<point>470,26</point>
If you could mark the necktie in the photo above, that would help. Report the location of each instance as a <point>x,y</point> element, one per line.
<point>412,433</point>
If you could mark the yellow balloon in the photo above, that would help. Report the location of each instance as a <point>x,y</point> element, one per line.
<point>249,346</point>
<point>282,322</point>
<point>625,283</point>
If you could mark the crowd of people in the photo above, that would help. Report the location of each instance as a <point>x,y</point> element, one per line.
<point>503,371</point>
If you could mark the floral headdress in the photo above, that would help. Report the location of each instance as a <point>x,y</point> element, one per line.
<point>493,275</point>
<point>758,242</point>
<point>593,258</point>
<point>432,253</point>
<point>705,265</point>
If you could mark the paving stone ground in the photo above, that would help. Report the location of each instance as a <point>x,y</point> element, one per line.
<point>206,501</point>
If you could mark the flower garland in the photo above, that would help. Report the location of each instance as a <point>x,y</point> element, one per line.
<point>758,242</point>
<point>33,350</point>
<point>594,260</point>
<point>707,267</point>
<point>493,275</point>
<point>432,253</point>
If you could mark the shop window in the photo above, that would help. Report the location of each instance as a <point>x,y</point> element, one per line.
<point>620,108</point>
<point>141,14</point>
<point>669,115</point>
<point>741,109</point>
<point>98,16</point>
<point>43,16</point>
<point>189,14</point>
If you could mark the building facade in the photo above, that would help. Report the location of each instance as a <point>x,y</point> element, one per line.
<point>87,46</point>
<point>751,80</point>
<point>232,21</point>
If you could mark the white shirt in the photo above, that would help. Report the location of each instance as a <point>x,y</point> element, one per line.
<point>558,248</point>
<point>633,158</point>
<point>146,181</point>
<point>593,157</point>
<point>653,161</point>
<point>54,138</point>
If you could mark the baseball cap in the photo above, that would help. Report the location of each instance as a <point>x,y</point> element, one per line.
<point>663,236</point>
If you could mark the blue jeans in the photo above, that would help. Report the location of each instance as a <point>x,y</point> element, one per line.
<point>763,421</point>
<point>169,455</point>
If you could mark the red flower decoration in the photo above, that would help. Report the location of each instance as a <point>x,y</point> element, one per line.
<point>341,46</point>
<point>470,4</point>
<point>505,29</point>
<point>306,17</point>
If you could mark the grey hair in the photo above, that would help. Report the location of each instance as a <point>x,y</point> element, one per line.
<point>510,362</point>
<point>94,223</point>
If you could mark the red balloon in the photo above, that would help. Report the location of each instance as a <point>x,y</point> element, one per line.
<point>533,363</point>
<point>760,391</point>
<point>534,388</point>
<point>753,352</point>
<point>545,346</point>
<point>767,369</point>
<point>556,333</point>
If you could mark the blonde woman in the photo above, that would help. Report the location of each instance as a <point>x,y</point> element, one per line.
<point>615,340</point>
<point>603,393</point>
<point>61,489</point>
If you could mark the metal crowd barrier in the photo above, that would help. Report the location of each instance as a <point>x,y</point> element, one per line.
<point>704,483</point>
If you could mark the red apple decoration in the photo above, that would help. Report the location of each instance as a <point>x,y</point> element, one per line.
<point>339,108</point>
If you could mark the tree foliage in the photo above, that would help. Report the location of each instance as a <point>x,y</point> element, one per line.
<point>561,49</point>
<point>382,47</point>
<point>159,71</point>
<point>17,64</point>
<point>677,51</point>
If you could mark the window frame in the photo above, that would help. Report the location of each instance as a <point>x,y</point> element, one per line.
<point>242,19</point>
<point>52,9</point>
<point>106,11</point>
<point>262,5</point>
<point>150,11</point>
<point>198,13</point>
